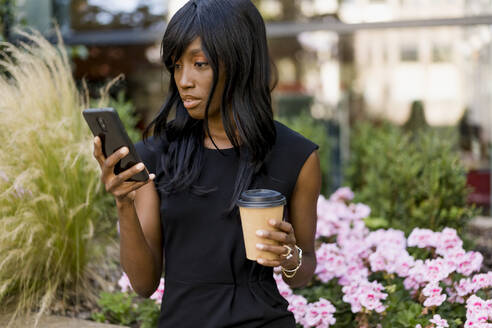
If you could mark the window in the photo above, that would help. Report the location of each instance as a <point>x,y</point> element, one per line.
<point>441,53</point>
<point>409,53</point>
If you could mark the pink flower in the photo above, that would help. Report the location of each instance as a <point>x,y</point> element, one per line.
<point>436,300</point>
<point>453,297</point>
<point>436,269</point>
<point>464,287</point>
<point>298,306</point>
<point>432,289</point>
<point>410,283</point>
<point>433,293</point>
<point>448,240</point>
<point>385,239</point>
<point>331,262</point>
<point>391,260</point>
<point>422,238</point>
<point>364,294</point>
<point>438,321</point>
<point>124,283</point>
<point>472,261</point>
<point>358,211</point>
<point>328,218</point>
<point>320,314</point>
<point>477,312</point>
<point>355,271</point>
<point>481,281</point>
<point>416,276</point>
<point>157,295</point>
<point>283,288</point>
<point>343,194</point>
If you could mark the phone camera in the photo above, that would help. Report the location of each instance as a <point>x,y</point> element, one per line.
<point>102,124</point>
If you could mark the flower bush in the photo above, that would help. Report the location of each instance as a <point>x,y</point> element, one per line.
<point>381,278</point>
<point>429,273</point>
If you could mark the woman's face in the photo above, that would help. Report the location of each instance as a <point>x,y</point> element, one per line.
<point>194,78</point>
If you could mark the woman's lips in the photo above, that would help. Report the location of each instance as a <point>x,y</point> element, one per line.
<point>190,103</point>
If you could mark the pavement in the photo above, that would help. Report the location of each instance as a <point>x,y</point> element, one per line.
<point>57,322</point>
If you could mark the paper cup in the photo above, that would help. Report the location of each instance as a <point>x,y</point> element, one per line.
<point>257,207</point>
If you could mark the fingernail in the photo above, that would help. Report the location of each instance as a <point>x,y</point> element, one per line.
<point>260,233</point>
<point>261,261</point>
<point>260,246</point>
<point>152,176</point>
<point>124,151</point>
<point>272,221</point>
<point>140,166</point>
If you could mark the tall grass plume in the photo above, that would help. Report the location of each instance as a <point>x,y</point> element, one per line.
<point>55,219</point>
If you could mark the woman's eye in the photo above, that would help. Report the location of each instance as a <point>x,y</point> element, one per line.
<point>177,66</point>
<point>201,64</point>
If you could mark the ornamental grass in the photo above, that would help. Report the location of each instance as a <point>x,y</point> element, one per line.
<point>56,220</point>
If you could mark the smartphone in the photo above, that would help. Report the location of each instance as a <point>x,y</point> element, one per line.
<point>106,123</point>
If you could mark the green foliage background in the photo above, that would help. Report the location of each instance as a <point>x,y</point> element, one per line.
<point>409,179</point>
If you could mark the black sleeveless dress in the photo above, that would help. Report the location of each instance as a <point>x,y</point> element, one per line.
<point>209,283</point>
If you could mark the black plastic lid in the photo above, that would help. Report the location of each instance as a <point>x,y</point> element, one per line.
<point>261,198</point>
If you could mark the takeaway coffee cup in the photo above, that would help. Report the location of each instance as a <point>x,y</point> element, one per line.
<point>257,207</point>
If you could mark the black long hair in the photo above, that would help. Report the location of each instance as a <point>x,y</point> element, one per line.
<point>233,39</point>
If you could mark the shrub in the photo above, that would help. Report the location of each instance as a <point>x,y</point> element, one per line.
<point>125,307</point>
<point>315,131</point>
<point>55,218</point>
<point>410,180</point>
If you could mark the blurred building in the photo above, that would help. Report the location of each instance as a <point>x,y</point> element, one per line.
<point>447,68</point>
<point>398,66</point>
<point>477,47</point>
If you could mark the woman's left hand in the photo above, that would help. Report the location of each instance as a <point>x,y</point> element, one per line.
<point>283,235</point>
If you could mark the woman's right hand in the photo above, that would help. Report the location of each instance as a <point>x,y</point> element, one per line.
<point>122,190</point>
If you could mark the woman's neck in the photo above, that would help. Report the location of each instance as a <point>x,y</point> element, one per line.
<point>218,134</point>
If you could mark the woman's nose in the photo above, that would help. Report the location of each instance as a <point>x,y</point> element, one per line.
<point>185,78</point>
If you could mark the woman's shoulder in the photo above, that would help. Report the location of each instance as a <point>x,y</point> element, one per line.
<point>288,138</point>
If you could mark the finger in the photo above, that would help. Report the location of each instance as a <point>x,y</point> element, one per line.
<point>128,187</point>
<point>281,225</point>
<point>125,175</point>
<point>269,263</point>
<point>275,249</point>
<point>110,162</point>
<point>278,236</point>
<point>117,156</point>
<point>98,151</point>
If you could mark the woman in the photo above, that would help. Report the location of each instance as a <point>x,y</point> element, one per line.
<point>222,141</point>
